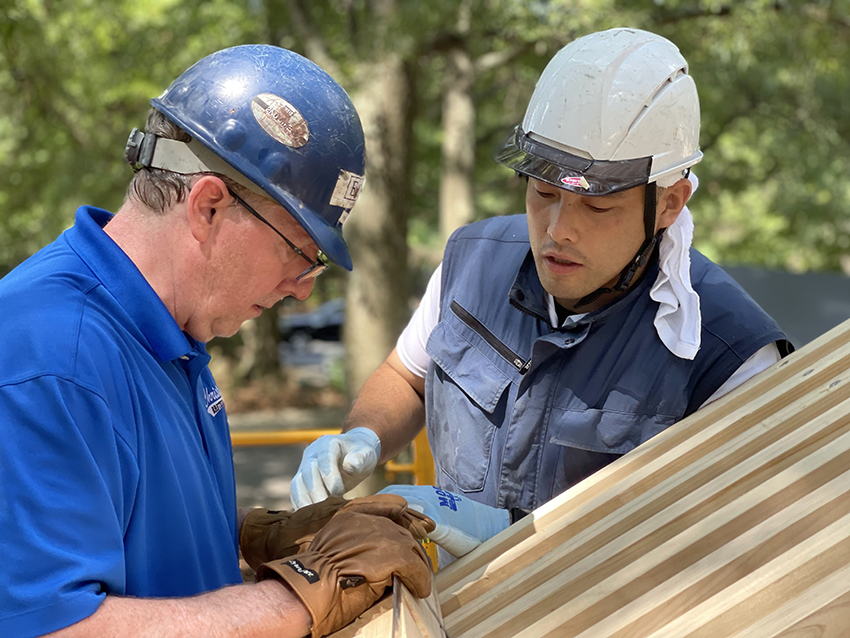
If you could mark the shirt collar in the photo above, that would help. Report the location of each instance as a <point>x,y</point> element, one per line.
<point>527,293</point>
<point>123,280</point>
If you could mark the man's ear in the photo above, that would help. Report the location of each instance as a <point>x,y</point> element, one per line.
<point>206,197</point>
<point>671,203</point>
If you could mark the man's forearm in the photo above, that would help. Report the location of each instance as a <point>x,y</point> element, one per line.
<point>256,610</point>
<point>391,405</point>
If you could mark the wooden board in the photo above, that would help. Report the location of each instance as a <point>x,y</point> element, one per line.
<point>415,618</point>
<point>398,615</point>
<point>733,523</point>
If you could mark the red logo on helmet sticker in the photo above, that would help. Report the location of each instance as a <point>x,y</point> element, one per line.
<point>576,181</point>
<point>280,119</point>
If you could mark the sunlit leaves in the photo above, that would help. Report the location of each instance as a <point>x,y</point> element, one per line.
<point>76,76</point>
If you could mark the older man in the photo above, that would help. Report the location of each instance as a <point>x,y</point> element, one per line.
<point>117,495</point>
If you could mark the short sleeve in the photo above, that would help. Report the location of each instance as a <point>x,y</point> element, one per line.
<point>411,344</point>
<point>759,362</point>
<point>64,480</point>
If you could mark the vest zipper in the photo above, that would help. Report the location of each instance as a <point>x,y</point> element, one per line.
<point>528,312</point>
<point>464,315</point>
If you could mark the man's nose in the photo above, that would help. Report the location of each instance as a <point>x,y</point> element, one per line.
<point>300,290</point>
<point>563,220</point>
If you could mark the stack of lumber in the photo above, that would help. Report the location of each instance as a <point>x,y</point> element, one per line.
<point>734,522</point>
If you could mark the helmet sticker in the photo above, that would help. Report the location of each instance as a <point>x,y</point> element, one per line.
<point>280,119</point>
<point>348,186</point>
<point>576,181</point>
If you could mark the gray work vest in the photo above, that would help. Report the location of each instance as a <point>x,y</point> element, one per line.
<point>518,411</point>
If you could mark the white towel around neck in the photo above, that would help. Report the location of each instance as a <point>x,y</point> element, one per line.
<point>677,321</point>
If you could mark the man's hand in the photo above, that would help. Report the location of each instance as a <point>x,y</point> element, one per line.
<point>271,535</point>
<point>462,524</point>
<point>333,464</point>
<point>347,567</point>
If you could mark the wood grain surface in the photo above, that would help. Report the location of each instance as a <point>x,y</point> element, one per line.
<point>733,523</point>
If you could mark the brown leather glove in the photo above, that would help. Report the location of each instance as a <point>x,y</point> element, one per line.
<point>270,535</point>
<point>347,567</point>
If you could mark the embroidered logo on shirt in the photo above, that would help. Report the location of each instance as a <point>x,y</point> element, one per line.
<point>447,499</point>
<point>213,400</point>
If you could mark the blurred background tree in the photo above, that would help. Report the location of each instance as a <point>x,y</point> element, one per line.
<point>439,85</point>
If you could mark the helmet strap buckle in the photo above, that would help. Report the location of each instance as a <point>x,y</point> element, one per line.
<point>139,150</point>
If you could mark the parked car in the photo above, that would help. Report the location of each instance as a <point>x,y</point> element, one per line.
<point>324,323</point>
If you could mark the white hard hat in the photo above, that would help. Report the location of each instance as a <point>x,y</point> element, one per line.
<point>612,110</point>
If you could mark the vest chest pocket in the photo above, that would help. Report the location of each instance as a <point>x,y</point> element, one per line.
<point>464,406</point>
<point>609,431</point>
<point>588,440</point>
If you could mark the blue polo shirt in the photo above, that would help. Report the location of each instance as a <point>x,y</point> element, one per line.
<point>116,471</point>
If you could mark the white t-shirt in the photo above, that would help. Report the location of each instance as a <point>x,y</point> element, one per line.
<point>411,344</point>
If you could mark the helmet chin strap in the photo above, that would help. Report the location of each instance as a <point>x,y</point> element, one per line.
<point>628,273</point>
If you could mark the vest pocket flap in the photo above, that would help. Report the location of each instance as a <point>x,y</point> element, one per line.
<point>606,431</point>
<point>467,367</point>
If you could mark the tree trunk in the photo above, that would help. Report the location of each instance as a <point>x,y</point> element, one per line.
<point>259,356</point>
<point>458,150</point>
<point>377,297</point>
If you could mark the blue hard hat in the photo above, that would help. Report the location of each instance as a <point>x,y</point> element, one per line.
<point>284,124</point>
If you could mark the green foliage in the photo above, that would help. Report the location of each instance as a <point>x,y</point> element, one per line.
<point>76,76</point>
<point>773,83</point>
<point>529,34</point>
<point>776,129</point>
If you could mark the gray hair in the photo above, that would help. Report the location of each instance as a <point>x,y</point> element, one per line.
<point>158,189</point>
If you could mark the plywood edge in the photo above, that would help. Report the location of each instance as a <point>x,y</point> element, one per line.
<point>411,617</point>
<point>414,617</point>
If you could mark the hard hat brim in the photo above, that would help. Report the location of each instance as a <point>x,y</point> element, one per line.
<point>562,169</point>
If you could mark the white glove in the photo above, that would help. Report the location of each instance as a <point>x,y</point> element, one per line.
<point>462,524</point>
<point>333,464</point>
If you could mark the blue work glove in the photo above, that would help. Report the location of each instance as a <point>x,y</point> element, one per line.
<point>333,464</point>
<point>462,524</point>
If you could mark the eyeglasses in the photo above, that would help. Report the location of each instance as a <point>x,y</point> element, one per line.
<point>316,267</point>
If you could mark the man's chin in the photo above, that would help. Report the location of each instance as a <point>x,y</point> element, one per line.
<point>569,295</point>
<point>566,296</point>
<point>224,331</point>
